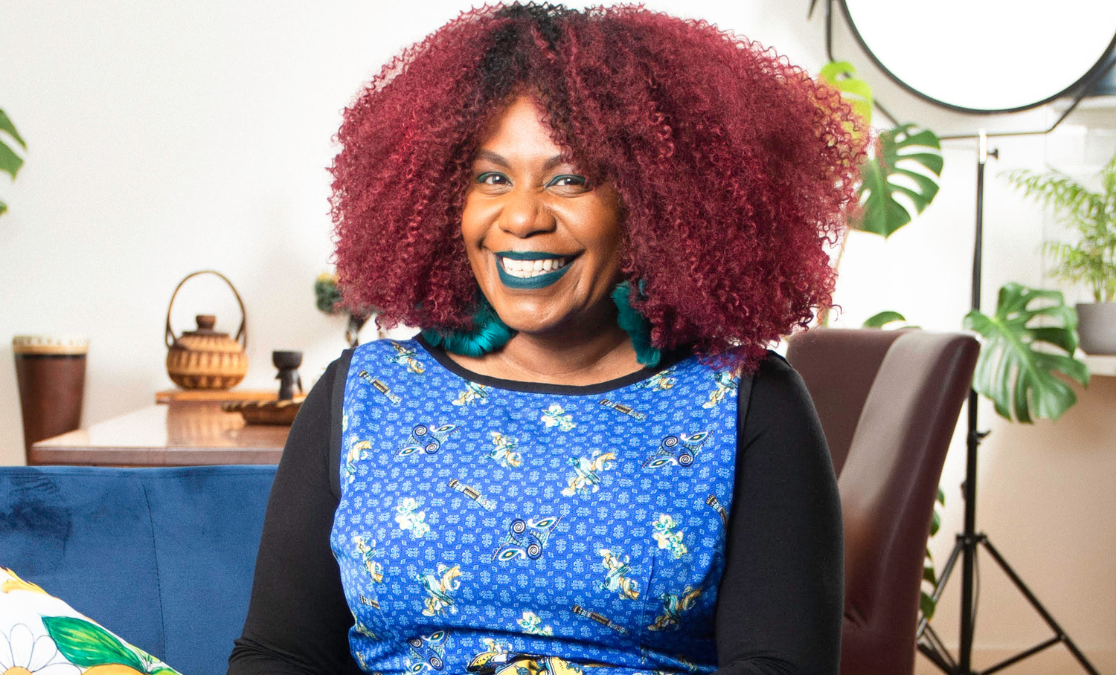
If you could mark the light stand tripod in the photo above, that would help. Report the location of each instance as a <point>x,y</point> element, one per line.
<point>929,643</point>
<point>969,541</point>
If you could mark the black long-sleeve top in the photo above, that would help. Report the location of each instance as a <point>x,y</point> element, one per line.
<point>780,600</point>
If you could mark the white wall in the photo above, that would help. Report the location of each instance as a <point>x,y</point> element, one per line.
<point>171,137</point>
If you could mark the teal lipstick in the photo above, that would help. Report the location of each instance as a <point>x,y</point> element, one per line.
<point>530,283</point>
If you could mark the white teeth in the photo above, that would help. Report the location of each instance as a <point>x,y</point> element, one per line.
<point>525,269</point>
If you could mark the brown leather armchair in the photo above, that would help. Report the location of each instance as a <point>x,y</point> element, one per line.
<point>888,402</point>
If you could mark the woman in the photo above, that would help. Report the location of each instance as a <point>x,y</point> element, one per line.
<point>588,461</point>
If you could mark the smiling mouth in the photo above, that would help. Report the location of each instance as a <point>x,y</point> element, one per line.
<point>536,266</point>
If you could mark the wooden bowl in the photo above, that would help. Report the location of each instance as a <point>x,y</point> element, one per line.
<point>277,413</point>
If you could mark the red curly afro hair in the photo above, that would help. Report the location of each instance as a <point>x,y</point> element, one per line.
<point>734,168</point>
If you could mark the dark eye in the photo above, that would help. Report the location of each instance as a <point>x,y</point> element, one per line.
<point>492,178</point>
<point>569,182</point>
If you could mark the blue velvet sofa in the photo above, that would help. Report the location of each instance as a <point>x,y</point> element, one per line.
<point>161,557</point>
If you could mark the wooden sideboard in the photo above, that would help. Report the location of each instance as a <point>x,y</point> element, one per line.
<point>178,434</point>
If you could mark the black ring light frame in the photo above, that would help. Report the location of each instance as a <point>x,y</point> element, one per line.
<point>1083,83</point>
<point>928,641</point>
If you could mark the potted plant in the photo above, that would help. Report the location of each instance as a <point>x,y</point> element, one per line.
<point>1091,259</point>
<point>328,298</point>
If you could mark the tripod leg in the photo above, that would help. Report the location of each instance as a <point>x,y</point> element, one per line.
<point>935,651</point>
<point>958,546</point>
<point>1061,635</point>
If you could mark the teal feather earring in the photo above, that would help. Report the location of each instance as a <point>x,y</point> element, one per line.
<point>489,333</point>
<point>636,326</point>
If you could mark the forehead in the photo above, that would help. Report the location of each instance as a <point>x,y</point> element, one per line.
<point>521,130</point>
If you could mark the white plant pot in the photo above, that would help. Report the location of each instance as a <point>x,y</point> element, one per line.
<point>1096,326</point>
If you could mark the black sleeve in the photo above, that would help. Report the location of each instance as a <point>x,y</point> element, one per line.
<point>781,598</point>
<point>298,619</point>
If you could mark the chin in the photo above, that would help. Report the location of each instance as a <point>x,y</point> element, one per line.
<point>528,322</point>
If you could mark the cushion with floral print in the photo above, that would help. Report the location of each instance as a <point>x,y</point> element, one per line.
<point>42,635</point>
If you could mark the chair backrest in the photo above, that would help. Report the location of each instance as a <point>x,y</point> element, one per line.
<point>889,477</point>
<point>838,367</point>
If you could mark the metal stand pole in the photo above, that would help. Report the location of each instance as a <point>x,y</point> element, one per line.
<point>929,644</point>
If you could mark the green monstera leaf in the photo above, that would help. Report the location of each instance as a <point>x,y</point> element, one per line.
<point>886,318</point>
<point>842,76</point>
<point>891,174</point>
<point>1018,378</point>
<point>10,162</point>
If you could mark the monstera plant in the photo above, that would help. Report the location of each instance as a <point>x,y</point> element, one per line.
<point>899,179</point>
<point>1032,336</point>
<point>1019,359</point>
<point>10,162</point>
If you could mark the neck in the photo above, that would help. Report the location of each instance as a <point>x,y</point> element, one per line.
<point>572,357</point>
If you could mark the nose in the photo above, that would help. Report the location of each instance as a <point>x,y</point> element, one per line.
<point>525,214</point>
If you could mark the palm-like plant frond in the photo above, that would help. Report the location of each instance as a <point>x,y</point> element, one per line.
<point>1092,259</point>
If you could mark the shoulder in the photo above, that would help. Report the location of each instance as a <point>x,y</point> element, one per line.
<point>336,370</point>
<point>778,398</point>
<point>776,377</point>
<point>386,345</point>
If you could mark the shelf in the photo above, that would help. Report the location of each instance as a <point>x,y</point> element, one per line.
<point>1107,102</point>
<point>215,395</point>
<point>1102,366</point>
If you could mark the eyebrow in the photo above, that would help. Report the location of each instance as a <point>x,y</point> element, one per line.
<point>496,158</point>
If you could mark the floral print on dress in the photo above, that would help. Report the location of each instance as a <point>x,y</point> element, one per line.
<point>410,518</point>
<point>439,585</point>
<point>473,393</point>
<point>660,382</point>
<point>366,551</point>
<point>532,624</point>
<point>530,536</point>
<point>667,537</point>
<point>358,452</point>
<point>616,576</point>
<point>586,476</point>
<point>673,606</point>
<point>726,381</point>
<point>504,450</point>
<point>556,416</point>
<point>405,356</point>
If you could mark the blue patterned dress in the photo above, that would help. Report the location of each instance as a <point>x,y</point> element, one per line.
<point>495,527</point>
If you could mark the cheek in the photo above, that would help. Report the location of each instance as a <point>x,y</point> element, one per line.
<point>606,237</point>
<point>472,230</point>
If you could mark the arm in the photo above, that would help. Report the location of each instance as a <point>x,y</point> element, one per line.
<point>781,598</point>
<point>298,620</point>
